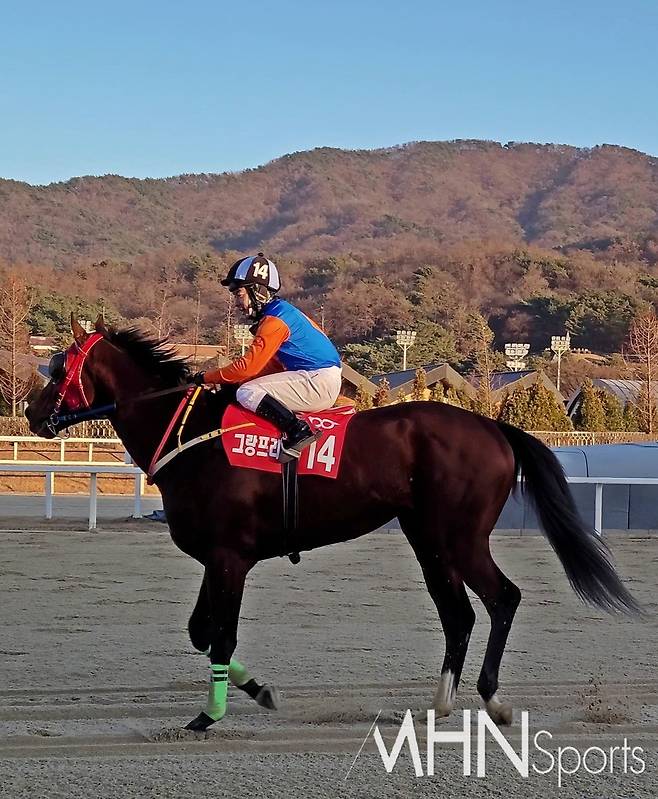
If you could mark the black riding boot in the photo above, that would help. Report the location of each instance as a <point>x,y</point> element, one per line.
<point>297,434</point>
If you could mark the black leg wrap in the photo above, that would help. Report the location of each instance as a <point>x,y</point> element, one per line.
<point>252,688</point>
<point>266,696</point>
<point>200,723</point>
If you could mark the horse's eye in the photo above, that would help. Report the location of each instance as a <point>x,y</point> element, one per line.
<point>56,367</point>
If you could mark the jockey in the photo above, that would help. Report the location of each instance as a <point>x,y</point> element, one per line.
<point>284,338</point>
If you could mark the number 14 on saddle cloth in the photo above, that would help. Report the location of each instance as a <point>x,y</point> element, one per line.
<point>253,443</point>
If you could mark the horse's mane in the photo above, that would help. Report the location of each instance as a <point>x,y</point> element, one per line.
<point>156,356</point>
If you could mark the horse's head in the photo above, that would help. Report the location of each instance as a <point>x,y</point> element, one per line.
<point>100,369</point>
<point>74,380</point>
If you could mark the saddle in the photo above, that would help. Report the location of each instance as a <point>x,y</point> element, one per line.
<point>253,443</point>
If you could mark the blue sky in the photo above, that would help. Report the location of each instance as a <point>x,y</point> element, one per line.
<point>150,89</point>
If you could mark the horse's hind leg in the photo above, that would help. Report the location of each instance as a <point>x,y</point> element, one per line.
<point>501,598</point>
<point>447,590</point>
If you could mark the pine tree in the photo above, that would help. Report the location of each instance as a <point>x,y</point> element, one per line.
<point>646,410</point>
<point>464,401</point>
<point>362,399</point>
<point>534,408</point>
<point>484,404</point>
<point>382,394</point>
<point>419,386</point>
<point>437,393</point>
<point>590,414</point>
<point>452,397</point>
<point>631,421</point>
<point>515,408</point>
<point>614,415</point>
<point>546,412</point>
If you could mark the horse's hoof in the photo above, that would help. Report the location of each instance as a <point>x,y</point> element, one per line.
<point>442,709</point>
<point>268,697</point>
<point>500,712</point>
<point>200,723</point>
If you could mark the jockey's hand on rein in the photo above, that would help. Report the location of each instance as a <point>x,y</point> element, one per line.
<point>197,378</point>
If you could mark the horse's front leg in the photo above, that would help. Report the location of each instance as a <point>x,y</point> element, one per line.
<point>200,630</point>
<point>224,580</point>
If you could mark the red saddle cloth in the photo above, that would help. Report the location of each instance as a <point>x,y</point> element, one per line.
<point>253,443</point>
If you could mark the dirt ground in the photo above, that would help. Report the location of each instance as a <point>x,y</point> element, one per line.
<point>97,676</point>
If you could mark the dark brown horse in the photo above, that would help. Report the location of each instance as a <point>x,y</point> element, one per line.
<point>443,472</point>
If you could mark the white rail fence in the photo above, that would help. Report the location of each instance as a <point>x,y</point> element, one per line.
<point>599,482</point>
<point>48,444</point>
<point>93,470</point>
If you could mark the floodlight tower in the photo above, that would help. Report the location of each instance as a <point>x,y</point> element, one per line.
<point>405,339</point>
<point>516,353</point>
<point>242,333</point>
<point>560,345</point>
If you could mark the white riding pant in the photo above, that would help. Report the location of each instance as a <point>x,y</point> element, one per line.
<point>315,390</point>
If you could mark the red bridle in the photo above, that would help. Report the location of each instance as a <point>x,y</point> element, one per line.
<point>71,384</point>
<point>71,394</point>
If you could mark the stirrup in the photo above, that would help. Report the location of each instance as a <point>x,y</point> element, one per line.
<point>288,452</point>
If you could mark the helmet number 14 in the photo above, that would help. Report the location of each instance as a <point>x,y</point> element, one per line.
<point>323,455</point>
<point>261,270</point>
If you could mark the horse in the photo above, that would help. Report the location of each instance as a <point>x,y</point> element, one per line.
<point>444,472</point>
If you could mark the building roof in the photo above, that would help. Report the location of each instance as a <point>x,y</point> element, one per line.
<point>42,371</point>
<point>442,373</point>
<point>505,379</point>
<point>201,351</point>
<point>357,379</point>
<point>44,343</point>
<point>396,379</point>
<point>37,339</point>
<point>625,390</point>
<point>504,382</point>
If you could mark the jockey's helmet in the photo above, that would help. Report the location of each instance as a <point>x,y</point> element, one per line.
<point>260,278</point>
<point>257,274</point>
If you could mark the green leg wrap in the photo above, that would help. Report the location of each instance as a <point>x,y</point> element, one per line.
<point>217,690</point>
<point>237,673</point>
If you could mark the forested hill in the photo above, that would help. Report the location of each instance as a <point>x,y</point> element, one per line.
<point>417,197</point>
<point>532,239</point>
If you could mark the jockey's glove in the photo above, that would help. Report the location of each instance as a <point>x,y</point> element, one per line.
<point>197,378</point>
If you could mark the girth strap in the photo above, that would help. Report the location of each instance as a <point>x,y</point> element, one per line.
<point>290,506</point>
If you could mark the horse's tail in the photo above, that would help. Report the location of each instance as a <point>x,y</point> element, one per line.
<point>584,556</point>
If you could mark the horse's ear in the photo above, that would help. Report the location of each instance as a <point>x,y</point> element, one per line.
<point>79,333</point>
<point>100,324</point>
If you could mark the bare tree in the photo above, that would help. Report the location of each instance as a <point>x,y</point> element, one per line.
<point>163,320</point>
<point>643,347</point>
<point>480,339</point>
<point>197,322</point>
<point>16,370</point>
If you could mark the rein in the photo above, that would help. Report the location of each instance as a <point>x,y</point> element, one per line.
<point>187,403</point>
<point>73,379</point>
<point>61,420</point>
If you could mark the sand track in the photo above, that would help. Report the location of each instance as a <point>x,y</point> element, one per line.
<point>98,678</point>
